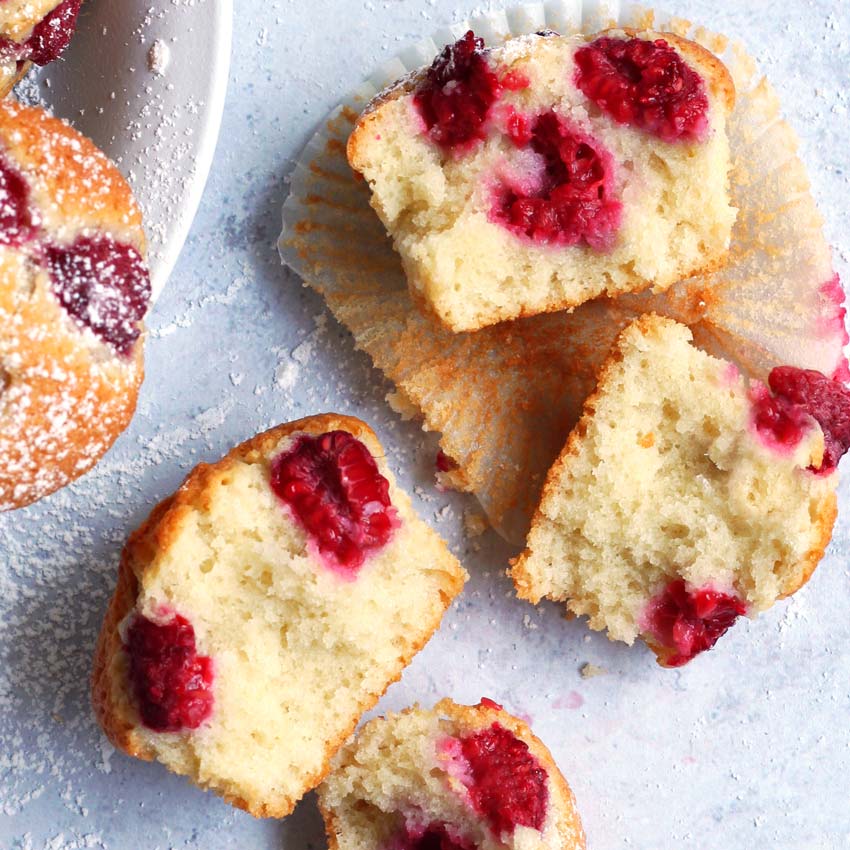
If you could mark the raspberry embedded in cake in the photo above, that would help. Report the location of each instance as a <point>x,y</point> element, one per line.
<point>298,655</point>
<point>47,40</point>
<point>171,682</point>
<point>101,283</point>
<point>53,34</point>
<point>570,199</point>
<point>455,777</point>
<point>644,84</point>
<point>543,202</point>
<point>104,285</point>
<point>799,392</point>
<point>457,94</point>
<point>515,80</point>
<point>780,424</point>
<point>434,836</point>
<point>334,489</point>
<point>16,215</point>
<point>506,783</point>
<point>685,622</point>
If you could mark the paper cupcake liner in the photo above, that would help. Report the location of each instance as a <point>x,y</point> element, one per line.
<point>505,398</point>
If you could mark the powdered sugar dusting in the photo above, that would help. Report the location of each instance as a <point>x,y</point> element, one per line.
<point>58,558</point>
<point>66,395</point>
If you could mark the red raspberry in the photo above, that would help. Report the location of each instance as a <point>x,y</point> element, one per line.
<point>691,621</point>
<point>16,219</point>
<point>334,488</point>
<point>645,84</point>
<point>171,682</point>
<point>53,34</point>
<point>508,785</point>
<point>104,285</point>
<point>457,93</point>
<point>435,836</point>
<point>827,401</point>
<point>574,201</point>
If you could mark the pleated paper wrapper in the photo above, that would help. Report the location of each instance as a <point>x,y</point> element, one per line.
<point>505,398</point>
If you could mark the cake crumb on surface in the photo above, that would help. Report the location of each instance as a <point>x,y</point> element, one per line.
<point>159,57</point>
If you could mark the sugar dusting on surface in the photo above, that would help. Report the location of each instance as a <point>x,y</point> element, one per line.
<point>164,166</point>
<point>58,560</point>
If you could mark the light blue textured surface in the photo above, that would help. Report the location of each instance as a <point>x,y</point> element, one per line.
<point>747,748</point>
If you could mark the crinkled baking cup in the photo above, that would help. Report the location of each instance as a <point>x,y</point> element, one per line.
<point>505,398</point>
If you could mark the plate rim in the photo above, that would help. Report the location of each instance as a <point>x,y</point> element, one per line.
<point>208,140</point>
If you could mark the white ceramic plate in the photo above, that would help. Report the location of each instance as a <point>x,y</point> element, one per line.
<point>157,115</point>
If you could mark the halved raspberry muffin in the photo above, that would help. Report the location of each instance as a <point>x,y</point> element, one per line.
<point>264,607</point>
<point>454,778</point>
<point>33,32</point>
<point>74,288</point>
<point>686,497</point>
<point>536,176</point>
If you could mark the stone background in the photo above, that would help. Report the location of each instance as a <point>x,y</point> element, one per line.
<point>747,748</point>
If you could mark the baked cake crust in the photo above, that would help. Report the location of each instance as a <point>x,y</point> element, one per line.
<point>10,78</point>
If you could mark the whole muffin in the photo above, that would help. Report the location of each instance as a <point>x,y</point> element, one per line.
<point>74,287</point>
